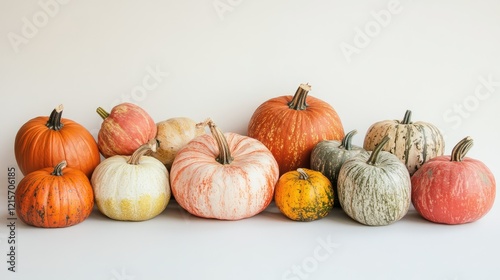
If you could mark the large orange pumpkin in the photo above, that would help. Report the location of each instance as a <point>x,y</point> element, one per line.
<point>290,127</point>
<point>54,198</point>
<point>45,141</point>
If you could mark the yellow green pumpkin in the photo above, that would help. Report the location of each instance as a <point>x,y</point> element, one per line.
<point>304,195</point>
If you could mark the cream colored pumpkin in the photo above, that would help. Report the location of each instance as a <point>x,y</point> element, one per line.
<point>414,143</point>
<point>131,188</point>
<point>173,134</point>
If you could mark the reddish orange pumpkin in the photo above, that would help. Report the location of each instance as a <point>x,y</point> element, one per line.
<point>124,129</point>
<point>453,189</point>
<point>290,127</point>
<point>45,141</point>
<point>53,198</point>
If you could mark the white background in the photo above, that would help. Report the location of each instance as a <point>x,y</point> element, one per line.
<point>439,59</point>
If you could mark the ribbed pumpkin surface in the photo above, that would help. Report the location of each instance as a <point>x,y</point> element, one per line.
<point>291,133</point>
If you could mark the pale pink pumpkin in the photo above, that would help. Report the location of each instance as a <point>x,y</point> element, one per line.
<point>225,176</point>
<point>124,129</point>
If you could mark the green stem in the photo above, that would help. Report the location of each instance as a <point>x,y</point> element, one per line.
<point>346,142</point>
<point>58,168</point>
<point>407,118</point>
<point>224,156</point>
<point>461,148</point>
<point>54,121</point>
<point>298,101</point>
<point>150,146</point>
<point>302,174</point>
<point>102,113</point>
<point>374,155</point>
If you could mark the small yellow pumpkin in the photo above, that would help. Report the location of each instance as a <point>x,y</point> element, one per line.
<point>304,195</point>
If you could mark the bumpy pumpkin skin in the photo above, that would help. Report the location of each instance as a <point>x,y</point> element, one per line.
<point>54,201</point>
<point>124,130</point>
<point>304,199</point>
<point>38,145</point>
<point>328,156</point>
<point>413,143</point>
<point>131,192</point>
<point>453,192</point>
<point>291,132</point>
<point>173,134</point>
<point>207,188</point>
<point>374,195</point>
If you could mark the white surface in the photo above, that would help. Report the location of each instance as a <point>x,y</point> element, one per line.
<point>430,57</point>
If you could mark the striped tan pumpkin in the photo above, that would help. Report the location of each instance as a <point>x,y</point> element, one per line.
<point>413,143</point>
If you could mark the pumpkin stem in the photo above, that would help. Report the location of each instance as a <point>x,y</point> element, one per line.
<point>58,168</point>
<point>102,112</point>
<point>460,150</point>
<point>374,155</point>
<point>302,174</point>
<point>346,142</point>
<point>407,118</point>
<point>148,147</point>
<point>224,156</point>
<point>54,121</point>
<point>298,101</point>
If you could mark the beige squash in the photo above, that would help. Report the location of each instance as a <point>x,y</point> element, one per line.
<point>173,134</point>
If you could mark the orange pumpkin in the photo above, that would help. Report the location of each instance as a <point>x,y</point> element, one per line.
<point>53,198</point>
<point>290,127</point>
<point>45,141</point>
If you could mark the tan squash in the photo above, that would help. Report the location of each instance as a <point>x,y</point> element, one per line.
<point>173,134</point>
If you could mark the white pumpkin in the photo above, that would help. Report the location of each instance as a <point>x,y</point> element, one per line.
<point>132,188</point>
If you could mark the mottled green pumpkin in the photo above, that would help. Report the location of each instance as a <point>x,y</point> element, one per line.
<point>304,195</point>
<point>375,188</point>
<point>328,156</point>
<point>414,143</point>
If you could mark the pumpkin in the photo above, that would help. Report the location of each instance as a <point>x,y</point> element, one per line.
<point>413,143</point>
<point>132,188</point>
<point>374,188</point>
<point>225,176</point>
<point>290,127</point>
<point>328,156</point>
<point>304,195</point>
<point>45,141</point>
<point>124,129</point>
<point>54,197</point>
<point>454,189</point>
<point>173,134</point>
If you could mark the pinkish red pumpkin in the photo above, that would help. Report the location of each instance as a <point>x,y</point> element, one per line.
<point>453,189</point>
<point>124,129</point>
